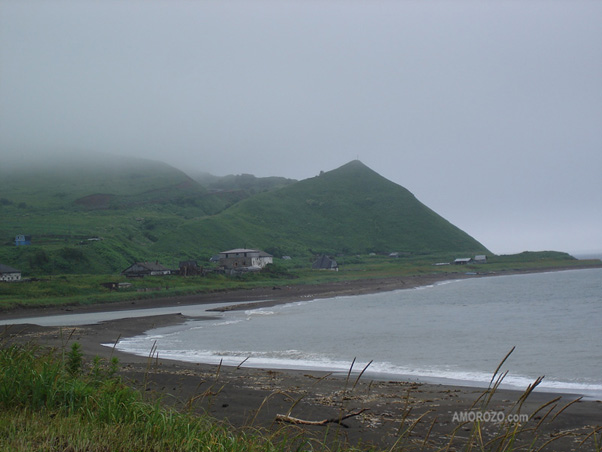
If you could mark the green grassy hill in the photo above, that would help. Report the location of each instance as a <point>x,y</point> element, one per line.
<point>127,203</point>
<point>349,210</point>
<point>240,182</point>
<point>99,182</point>
<point>135,209</point>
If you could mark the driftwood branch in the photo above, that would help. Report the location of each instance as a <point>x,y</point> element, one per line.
<point>335,420</point>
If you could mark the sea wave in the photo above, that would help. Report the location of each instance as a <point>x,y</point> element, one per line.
<point>259,311</point>
<point>225,322</point>
<point>454,334</point>
<point>298,360</point>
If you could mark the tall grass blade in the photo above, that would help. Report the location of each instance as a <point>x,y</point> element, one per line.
<point>360,375</point>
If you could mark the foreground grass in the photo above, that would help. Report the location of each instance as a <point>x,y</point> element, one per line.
<point>52,401</point>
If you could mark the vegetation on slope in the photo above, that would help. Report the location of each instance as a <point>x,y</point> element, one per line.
<point>100,215</point>
<point>95,182</point>
<point>247,183</point>
<point>348,210</point>
<point>94,215</point>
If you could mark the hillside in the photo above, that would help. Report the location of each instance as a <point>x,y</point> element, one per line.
<point>127,203</point>
<point>98,181</point>
<point>236,187</point>
<point>247,183</point>
<point>98,215</point>
<point>348,210</point>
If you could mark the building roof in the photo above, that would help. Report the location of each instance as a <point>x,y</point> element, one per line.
<point>7,269</point>
<point>239,250</point>
<point>324,262</point>
<point>246,250</point>
<point>153,266</point>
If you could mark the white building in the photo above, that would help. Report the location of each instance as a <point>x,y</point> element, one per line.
<point>9,274</point>
<point>244,258</point>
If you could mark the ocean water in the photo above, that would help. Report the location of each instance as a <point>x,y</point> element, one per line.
<point>453,332</point>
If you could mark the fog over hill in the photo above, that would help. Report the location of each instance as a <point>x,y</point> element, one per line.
<point>489,112</point>
<point>145,209</point>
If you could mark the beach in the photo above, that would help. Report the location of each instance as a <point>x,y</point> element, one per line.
<point>379,412</point>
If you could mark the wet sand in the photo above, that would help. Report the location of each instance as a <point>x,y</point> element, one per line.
<point>254,398</point>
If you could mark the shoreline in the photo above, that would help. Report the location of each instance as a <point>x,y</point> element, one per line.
<point>246,397</point>
<point>274,294</point>
<point>271,296</point>
<point>251,397</point>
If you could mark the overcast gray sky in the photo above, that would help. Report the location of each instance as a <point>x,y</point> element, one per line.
<point>490,112</point>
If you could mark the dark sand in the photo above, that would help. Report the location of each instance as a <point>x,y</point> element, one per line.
<point>252,398</point>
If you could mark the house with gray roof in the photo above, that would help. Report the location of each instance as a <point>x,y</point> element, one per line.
<point>141,269</point>
<point>9,274</point>
<point>244,258</point>
<point>325,263</point>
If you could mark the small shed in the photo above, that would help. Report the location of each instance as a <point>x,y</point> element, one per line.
<point>141,269</point>
<point>116,285</point>
<point>22,240</point>
<point>463,261</point>
<point>190,268</point>
<point>9,274</point>
<point>325,263</point>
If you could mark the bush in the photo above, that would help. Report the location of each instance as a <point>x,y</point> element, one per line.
<point>277,271</point>
<point>39,260</point>
<point>73,255</point>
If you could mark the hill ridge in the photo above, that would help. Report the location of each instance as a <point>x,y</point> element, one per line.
<point>351,209</point>
<point>169,217</point>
